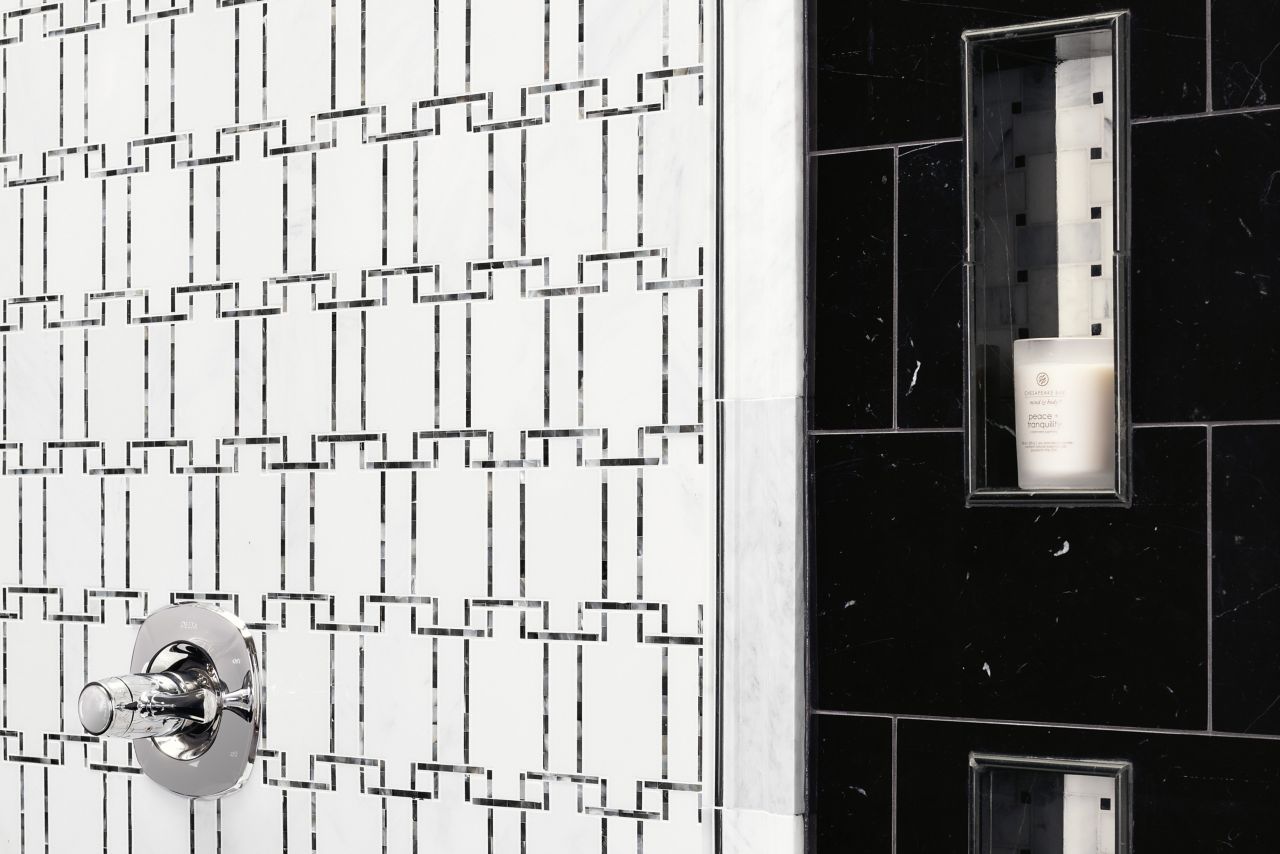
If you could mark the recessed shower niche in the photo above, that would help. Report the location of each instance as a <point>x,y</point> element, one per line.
<point>1047,154</point>
<point>1021,805</point>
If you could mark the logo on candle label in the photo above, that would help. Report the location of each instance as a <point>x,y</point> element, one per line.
<point>1042,378</point>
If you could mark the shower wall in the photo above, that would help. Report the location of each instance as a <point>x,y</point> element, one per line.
<point>1146,634</point>
<point>384,325</point>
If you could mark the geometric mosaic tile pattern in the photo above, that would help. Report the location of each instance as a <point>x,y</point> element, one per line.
<point>382,324</point>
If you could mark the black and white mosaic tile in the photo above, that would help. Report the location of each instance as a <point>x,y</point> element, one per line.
<point>382,324</point>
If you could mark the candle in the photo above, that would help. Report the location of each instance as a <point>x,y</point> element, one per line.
<point>1065,409</point>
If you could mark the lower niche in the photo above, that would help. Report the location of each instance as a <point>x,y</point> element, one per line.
<point>1025,805</point>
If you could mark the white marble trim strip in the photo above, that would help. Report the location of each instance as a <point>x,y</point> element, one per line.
<point>760,682</point>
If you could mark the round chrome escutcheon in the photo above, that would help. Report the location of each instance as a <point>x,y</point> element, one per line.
<point>212,648</point>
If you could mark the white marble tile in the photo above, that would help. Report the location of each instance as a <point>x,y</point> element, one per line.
<point>298,36</point>
<point>745,831</point>
<point>763,199</point>
<point>763,715</point>
<point>356,294</point>
<point>70,827</point>
<point>33,107</point>
<point>761,420</point>
<point>167,814</point>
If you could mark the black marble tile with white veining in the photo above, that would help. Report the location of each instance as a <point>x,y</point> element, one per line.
<point>851,800</point>
<point>1206,269</point>
<point>1246,45</point>
<point>852,298</point>
<point>930,285</point>
<point>890,70</point>
<point>1190,793</point>
<point>1078,615</point>
<point>1246,578</point>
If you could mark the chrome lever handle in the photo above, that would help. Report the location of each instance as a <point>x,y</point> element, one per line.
<point>147,705</point>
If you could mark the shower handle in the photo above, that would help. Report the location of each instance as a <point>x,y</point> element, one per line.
<point>147,705</point>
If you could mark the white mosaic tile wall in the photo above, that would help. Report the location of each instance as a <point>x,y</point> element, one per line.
<point>384,324</point>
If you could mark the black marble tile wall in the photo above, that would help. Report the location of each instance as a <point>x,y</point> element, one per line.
<point>853,288</point>
<point>1191,793</point>
<point>1149,634</point>
<point>923,607</point>
<point>856,755</point>
<point>1206,268</point>
<point>1246,578</point>
<point>930,285</point>
<point>1245,38</point>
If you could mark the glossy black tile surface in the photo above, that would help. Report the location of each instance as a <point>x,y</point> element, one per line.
<point>1191,793</point>
<point>851,805</point>
<point>890,70</point>
<point>930,285</point>
<point>1084,615</point>
<point>1246,578</point>
<point>853,290</point>
<point>1008,619</point>
<point>1246,34</point>
<point>1206,270</point>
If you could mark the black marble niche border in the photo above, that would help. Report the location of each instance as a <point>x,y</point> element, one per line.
<point>889,71</point>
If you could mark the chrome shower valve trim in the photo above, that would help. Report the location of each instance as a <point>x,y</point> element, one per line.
<point>192,704</point>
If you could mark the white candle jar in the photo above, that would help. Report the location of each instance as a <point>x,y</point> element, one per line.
<point>1065,412</point>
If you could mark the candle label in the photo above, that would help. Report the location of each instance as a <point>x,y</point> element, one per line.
<point>1065,415</point>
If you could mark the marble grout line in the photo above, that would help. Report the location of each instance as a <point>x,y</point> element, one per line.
<point>889,431</point>
<point>883,431</point>
<point>778,398</point>
<point>1137,730</point>
<point>893,786</point>
<point>718,212</point>
<point>1231,111</point>
<point>1208,56</point>
<point>1208,533</point>
<point>1258,422</point>
<point>721,810</point>
<point>716,719</point>
<point>719,572</point>
<point>893,333</point>
<point>884,146</point>
<point>1209,112</point>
